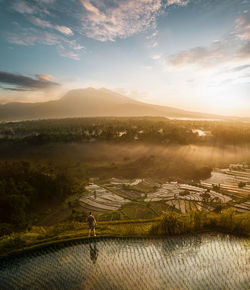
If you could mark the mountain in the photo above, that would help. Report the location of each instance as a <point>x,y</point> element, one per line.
<point>92,103</point>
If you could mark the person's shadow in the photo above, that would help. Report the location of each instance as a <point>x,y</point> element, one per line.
<point>93,251</point>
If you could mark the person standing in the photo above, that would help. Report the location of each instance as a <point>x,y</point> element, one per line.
<point>92,223</point>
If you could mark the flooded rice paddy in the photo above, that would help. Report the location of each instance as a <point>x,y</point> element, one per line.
<point>207,261</point>
<point>102,199</point>
<point>222,186</point>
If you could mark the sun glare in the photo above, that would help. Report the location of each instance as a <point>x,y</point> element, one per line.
<point>224,100</point>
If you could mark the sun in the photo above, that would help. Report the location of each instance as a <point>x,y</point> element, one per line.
<point>224,100</point>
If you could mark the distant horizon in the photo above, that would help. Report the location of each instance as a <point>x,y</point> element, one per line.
<point>149,103</point>
<point>115,95</point>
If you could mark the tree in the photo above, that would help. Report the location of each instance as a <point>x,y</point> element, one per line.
<point>205,196</point>
<point>241,184</point>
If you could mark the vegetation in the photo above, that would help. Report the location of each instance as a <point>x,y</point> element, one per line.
<point>136,129</point>
<point>242,184</point>
<point>26,190</point>
<point>184,192</point>
<point>45,193</point>
<point>171,223</point>
<point>41,235</point>
<point>227,221</point>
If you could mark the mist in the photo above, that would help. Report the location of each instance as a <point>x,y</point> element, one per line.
<point>100,153</point>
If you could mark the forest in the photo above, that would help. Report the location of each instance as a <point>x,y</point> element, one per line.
<point>154,130</point>
<point>26,191</point>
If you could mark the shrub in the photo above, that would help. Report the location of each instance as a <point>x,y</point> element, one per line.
<point>216,187</point>
<point>232,222</point>
<point>15,243</point>
<point>205,196</point>
<point>227,221</point>
<point>6,229</point>
<point>170,224</point>
<point>197,220</point>
<point>218,208</point>
<point>241,184</point>
<point>184,192</point>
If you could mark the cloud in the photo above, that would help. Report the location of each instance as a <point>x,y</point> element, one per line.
<point>241,67</point>
<point>66,53</point>
<point>43,31</point>
<point>45,24</point>
<point>32,7</point>
<point>233,48</point>
<point>177,2</point>
<point>77,46</point>
<point>156,56</point>
<point>32,36</point>
<point>64,29</point>
<point>244,52</point>
<point>242,26</point>
<point>200,56</point>
<point>23,8</point>
<point>88,6</point>
<point>101,20</point>
<point>47,1</point>
<point>20,82</point>
<point>44,77</point>
<point>152,35</point>
<point>40,22</point>
<point>154,44</point>
<point>108,20</point>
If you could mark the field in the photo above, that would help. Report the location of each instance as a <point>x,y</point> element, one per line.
<point>142,198</point>
<point>229,182</point>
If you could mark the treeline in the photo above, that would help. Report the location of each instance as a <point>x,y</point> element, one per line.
<point>136,129</point>
<point>25,189</point>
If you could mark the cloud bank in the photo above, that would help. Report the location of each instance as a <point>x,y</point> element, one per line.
<point>108,20</point>
<point>235,48</point>
<point>44,28</point>
<point>20,82</point>
<point>118,19</point>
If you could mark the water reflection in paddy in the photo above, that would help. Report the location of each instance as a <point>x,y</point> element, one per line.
<point>188,262</point>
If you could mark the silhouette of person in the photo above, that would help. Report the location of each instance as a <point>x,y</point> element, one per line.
<point>92,223</point>
<point>93,251</point>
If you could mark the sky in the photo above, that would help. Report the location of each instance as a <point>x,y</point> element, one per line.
<point>189,54</point>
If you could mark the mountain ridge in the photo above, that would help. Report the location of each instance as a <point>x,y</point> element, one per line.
<point>90,102</point>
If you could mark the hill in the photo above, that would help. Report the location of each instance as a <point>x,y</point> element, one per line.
<point>92,102</point>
